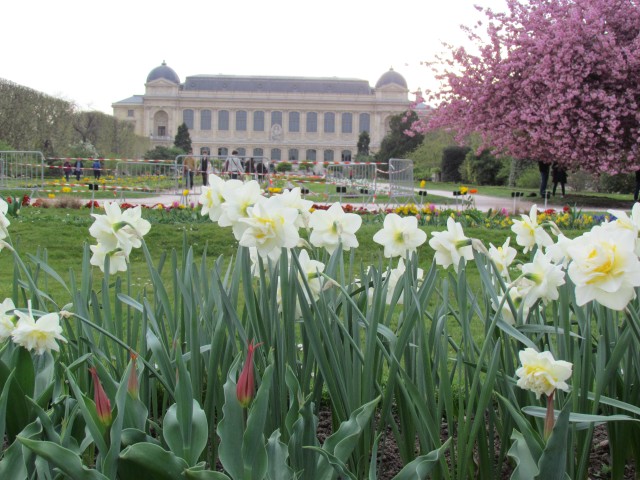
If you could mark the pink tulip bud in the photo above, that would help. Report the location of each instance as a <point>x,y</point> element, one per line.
<point>103,405</point>
<point>245,390</point>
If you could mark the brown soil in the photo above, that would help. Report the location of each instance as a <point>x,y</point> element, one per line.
<point>390,463</point>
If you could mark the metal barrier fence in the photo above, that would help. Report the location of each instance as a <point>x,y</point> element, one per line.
<point>401,185</point>
<point>352,181</point>
<point>22,170</point>
<point>158,178</point>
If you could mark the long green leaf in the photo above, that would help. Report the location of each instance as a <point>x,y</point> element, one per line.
<point>146,460</point>
<point>423,465</point>
<point>64,459</point>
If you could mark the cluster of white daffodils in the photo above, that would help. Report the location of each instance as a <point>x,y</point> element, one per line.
<point>117,234</point>
<point>40,335</point>
<point>603,263</point>
<point>4,222</point>
<point>270,224</point>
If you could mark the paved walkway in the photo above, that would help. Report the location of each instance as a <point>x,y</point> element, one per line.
<point>481,202</point>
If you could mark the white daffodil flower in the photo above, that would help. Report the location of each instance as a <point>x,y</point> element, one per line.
<point>517,297</point>
<point>4,221</point>
<point>293,199</point>
<point>623,221</point>
<point>269,227</point>
<point>119,230</point>
<point>40,335</point>
<point>451,245</point>
<point>541,373</point>
<point>332,227</point>
<point>605,267</point>
<point>503,256</point>
<point>238,197</point>
<point>529,233</point>
<point>211,198</point>
<point>399,235</point>
<point>560,252</point>
<point>117,258</point>
<point>7,319</point>
<point>395,275</point>
<point>540,279</point>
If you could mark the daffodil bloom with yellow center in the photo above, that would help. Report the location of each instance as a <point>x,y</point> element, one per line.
<point>605,267</point>
<point>541,373</point>
<point>40,335</point>
<point>529,233</point>
<point>399,236</point>
<point>270,226</point>
<point>332,227</point>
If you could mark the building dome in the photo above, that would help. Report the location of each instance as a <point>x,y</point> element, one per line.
<point>390,77</point>
<point>163,71</point>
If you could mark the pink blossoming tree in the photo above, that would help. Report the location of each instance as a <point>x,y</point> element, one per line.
<point>553,80</point>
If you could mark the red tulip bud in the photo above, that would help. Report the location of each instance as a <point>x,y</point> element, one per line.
<point>246,388</point>
<point>103,405</point>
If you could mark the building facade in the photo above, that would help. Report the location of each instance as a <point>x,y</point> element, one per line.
<point>281,118</point>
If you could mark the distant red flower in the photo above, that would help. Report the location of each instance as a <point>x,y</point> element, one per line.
<point>566,209</point>
<point>549,211</point>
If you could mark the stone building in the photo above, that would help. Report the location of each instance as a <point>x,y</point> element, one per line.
<point>281,118</point>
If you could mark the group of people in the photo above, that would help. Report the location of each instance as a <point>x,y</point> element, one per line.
<point>558,177</point>
<point>234,166</point>
<point>77,168</point>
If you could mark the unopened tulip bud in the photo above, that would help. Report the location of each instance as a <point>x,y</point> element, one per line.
<point>245,390</point>
<point>103,405</point>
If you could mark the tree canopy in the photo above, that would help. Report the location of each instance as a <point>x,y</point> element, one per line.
<point>396,144</point>
<point>183,139</point>
<point>553,80</point>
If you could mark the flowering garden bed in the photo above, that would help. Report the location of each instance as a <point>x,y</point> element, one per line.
<point>227,363</point>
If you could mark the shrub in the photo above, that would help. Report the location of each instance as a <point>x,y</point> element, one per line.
<point>529,178</point>
<point>619,183</point>
<point>452,158</point>
<point>283,167</point>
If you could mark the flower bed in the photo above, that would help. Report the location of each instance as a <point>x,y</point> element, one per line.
<point>107,382</point>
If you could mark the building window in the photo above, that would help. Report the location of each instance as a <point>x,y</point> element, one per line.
<point>223,120</point>
<point>276,154</point>
<point>258,152</point>
<point>223,151</point>
<point>242,152</point>
<point>347,123</point>
<point>293,154</point>
<point>365,122</point>
<point>241,121</point>
<point>258,121</point>
<point>311,155</point>
<point>187,118</point>
<point>162,131</point>
<point>328,155</point>
<point>329,122</point>
<point>312,122</point>
<point>294,121</point>
<point>346,155</point>
<point>129,113</point>
<point>276,118</point>
<point>205,120</point>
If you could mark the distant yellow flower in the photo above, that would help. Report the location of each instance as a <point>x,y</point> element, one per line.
<point>423,183</point>
<point>464,190</point>
<point>66,189</point>
<point>185,192</point>
<point>52,195</point>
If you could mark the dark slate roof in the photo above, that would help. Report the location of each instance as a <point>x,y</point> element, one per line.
<point>135,99</point>
<point>163,71</point>
<point>391,77</point>
<point>233,83</point>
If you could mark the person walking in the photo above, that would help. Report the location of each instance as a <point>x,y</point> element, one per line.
<point>233,165</point>
<point>558,176</point>
<point>67,170</point>
<point>204,169</point>
<point>189,169</point>
<point>97,169</point>
<point>77,169</point>
<point>544,178</point>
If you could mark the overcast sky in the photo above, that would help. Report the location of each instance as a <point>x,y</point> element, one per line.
<point>97,53</point>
